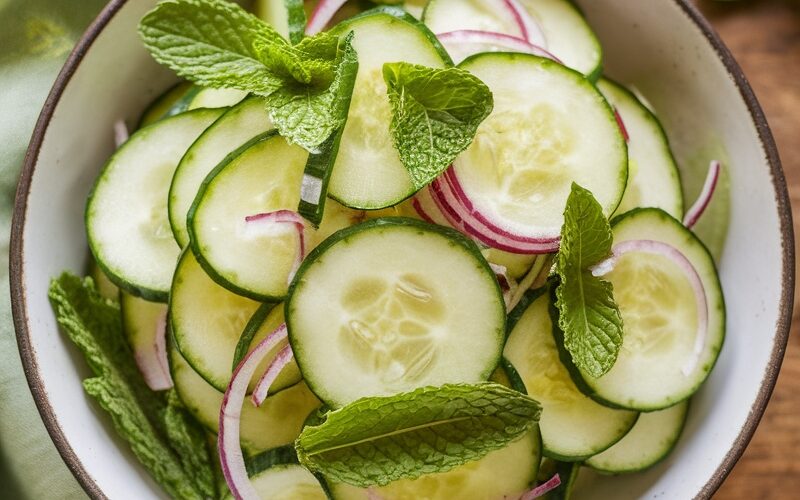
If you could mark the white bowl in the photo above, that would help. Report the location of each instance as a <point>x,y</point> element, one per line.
<point>662,47</point>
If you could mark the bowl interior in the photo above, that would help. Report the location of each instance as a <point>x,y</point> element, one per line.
<point>655,46</point>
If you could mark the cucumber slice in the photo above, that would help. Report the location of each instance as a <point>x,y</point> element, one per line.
<point>395,304</point>
<point>567,472</point>
<point>442,16</point>
<point>207,322</point>
<point>573,426</point>
<point>287,482</point>
<point>568,35</point>
<point>126,221</point>
<point>503,473</point>
<point>287,17</point>
<point>277,422</point>
<point>368,173</point>
<point>659,317</point>
<point>142,323</point>
<point>550,127</point>
<point>216,98</point>
<point>170,103</point>
<point>105,287</point>
<point>237,126</point>
<point>650,441</point>
<point>264,176</point>
<point>654,180</point>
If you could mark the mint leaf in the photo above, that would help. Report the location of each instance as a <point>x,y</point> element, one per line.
<point>190,442</point>
<point>312,114</point>
<point>589,317</point>
<point>141,417</point>
<point>435,114</point>
<point>377,440</point>
<point>217,44</point>
<point>210,42</point>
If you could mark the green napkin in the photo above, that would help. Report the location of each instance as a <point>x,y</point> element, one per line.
<point>35,38</point>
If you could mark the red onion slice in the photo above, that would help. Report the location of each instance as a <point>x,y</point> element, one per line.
<point>273,223</point>
<point>121,133</point>
<point>689,271</point>
<point>282,359</point>
<point>451,178</point>
<point>152,362</point>
<point>322,15</point>
<point>703,200</point>
<point>463,220</point>
<point>546,487</point>
<point>530,29</point>
<point>458,41</point>
<point>621,124</point>
<point>229,447</point>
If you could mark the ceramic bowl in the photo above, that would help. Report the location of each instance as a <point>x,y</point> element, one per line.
<point>664,48</point>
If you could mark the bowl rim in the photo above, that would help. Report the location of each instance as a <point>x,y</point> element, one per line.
<point>16,261</point>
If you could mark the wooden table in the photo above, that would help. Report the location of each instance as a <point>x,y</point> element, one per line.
<point>764,36</point>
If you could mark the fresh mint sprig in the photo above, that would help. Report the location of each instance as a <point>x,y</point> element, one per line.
<point>588,314</point>
<point>435,115</point>
<point>377,440</point>
<point>216,43</point>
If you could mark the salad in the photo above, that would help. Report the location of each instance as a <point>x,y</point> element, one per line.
<point>424,250</point>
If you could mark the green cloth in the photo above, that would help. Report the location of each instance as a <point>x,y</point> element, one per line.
<point>35,38</point>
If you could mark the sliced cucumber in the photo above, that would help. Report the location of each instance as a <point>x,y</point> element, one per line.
<point>442,16</point>
<point>277,422</point>
<point>660,318</point>
<point>550,127</point>
<point>237,126</point>
<point>290,375</point>
<point>650,441</point>
<point>216,98</point>
<point>368,173</point>
<point>567,473</point>
<point>396,304</point>
<point>142,323</point>
<point>175,100</point>
<point>287,482</point>
<point>107,289</point>
<point>654,180</point>
<point>287,17</point>
<point>573,426</point>
<point>126,220</point>
<point>264,176</point>
<point>207,322</point>
<point>504,473</point>
<point>568,35</point>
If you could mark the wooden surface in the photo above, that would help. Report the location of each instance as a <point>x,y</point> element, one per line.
<point>764,36</point>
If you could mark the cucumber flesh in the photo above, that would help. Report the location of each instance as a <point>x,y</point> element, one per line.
<point>175,100</point>
<point>216,98</point>
<point>654,180</point>
<point>288,482</point>
<point>443,16</point>
<point>142,323</point>
<point>377,303</point>
<point>651,439</point>
<point>568,35</point>
<point>519,169</point>
<point>573,426</point>
<point>368,173</point>
<point>277,422</point>
<point>264,177</point>
<point>237,126</point>
<point>659,315</point>
<point>504,473</point>
<point>105,287</point>
<point>126,217</point>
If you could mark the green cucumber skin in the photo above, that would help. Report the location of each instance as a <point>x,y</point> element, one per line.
<point>654,119</point>
<point>388,222</point>
<point>193,243</point>
<point>577,76</point>
<point>401,14</point>
<point>568,471</point>
<point>283,455</point>
<point>172,102</point>
<point>566,358</point>
<point>250,331</point>
<point>136,291</point>
<point>658,460</point>
<point>513,377</point>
